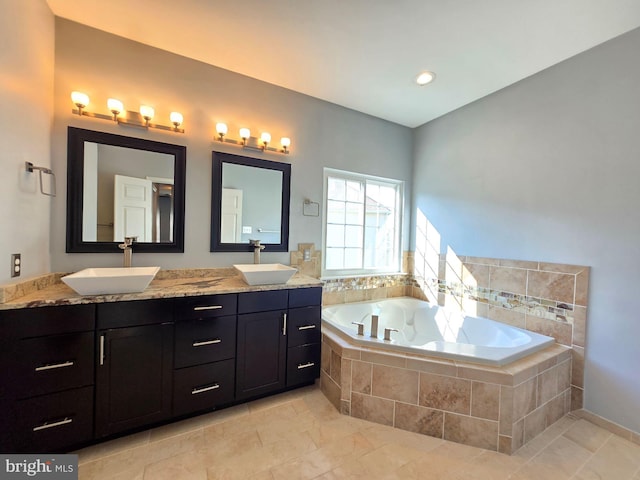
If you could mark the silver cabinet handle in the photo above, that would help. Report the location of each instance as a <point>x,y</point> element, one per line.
<point>284,324</point>
<point>52,366</point>
<point>101,349</point>
<point>305,365</point>
<point>206,342</point>
<point>196,391</point>
<point>306,327</point>
<point>46,425</point>
<point>208,307</point>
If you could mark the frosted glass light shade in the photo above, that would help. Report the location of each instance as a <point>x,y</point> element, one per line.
<point>221,128</point>
<point>80,99</point>
<point>176,118</point>
<point>265,137</point>
<point>285,142</point>
<point>115,106</point>
<point>245,133</point>
<point>147,112</point>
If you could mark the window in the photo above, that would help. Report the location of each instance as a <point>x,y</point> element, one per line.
<point>362,224</point>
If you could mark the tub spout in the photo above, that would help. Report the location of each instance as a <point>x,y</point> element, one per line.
<point>387,333</point>
<point>374,326</point>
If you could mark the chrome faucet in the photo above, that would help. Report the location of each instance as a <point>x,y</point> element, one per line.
<point>127,249</point>
<point>374,326</point>
<point>256,250</point>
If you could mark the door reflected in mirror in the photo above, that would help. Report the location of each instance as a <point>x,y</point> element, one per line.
<point>250,201</point>
<point>127,193</point>
<point>124,187</point>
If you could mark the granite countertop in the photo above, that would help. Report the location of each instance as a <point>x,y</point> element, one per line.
<point>48,290</point>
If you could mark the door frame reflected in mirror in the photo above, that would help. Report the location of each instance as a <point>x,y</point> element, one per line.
<point>76,138</point>
<point>218,161</point>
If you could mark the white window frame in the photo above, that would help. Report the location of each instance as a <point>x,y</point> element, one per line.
<point>396,267</point>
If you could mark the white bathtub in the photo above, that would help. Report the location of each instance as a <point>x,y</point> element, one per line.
<point>432,330</point>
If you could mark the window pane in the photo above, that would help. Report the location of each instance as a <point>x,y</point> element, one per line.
<point>335,235</point>
<point>335,258</point>
<point>354,213</point>
<point>336,189</point>
<point>353,236</point>
<point>335,212</point>
<point>352,258</point>
<point>355,191</point>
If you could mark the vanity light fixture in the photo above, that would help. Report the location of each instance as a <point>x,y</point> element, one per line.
<point>125,117</point>
<point>252,143</point>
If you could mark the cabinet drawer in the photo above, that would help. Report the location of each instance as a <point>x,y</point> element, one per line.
<point>203,387</point>
<point>50,364</point>
<point>206,306</point>
<point>303,326</point>
<point>305,297</point>
<point>250,302</point>
<point>204,341</point>
<point>51,423</point>
<point>131,314</point>
<point>38,322</point>
<point>303,364</point>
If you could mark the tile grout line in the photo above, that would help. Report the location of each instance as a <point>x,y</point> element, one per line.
<point>593,454</point>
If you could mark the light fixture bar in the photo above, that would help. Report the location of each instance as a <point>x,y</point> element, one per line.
<point>81,101</point>
<point>252,143</point>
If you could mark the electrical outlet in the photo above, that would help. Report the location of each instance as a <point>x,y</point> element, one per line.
<point>16,264</point>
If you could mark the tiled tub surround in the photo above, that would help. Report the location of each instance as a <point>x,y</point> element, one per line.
<point>543,297</point>
<point>496,408</point>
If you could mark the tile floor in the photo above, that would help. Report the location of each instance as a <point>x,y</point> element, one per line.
<point>299,435</point>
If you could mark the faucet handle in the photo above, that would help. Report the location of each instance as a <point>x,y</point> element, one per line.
<point>130,240</point>
<point>360,327</point>
<point>387,333</point>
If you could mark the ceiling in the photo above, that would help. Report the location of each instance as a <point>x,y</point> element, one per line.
<point>365,54</point>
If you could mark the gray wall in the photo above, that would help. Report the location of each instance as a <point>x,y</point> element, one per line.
<point>548,169</point>
<point>322,134</point>
<point>26,97</point>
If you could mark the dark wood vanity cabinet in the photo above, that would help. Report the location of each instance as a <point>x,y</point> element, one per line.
<point>303,330</point>
<point>46,378</point>
<point>262,343</point>
<point>134,365</point>
<point>204,353</point>
<point>71,375</point>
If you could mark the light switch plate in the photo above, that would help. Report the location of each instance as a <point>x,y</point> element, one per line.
<point>247,230</point>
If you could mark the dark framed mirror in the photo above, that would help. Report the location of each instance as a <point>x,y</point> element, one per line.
<point>121,186</point>
<point>249,201</point>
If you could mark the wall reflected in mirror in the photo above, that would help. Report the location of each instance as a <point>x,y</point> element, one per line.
<point>122,199</point>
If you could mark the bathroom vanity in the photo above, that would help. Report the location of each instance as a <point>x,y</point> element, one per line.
<point>75,370</point>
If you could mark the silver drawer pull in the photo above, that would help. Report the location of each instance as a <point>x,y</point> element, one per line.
<point>305,365</point>
<point>306,327</point>
<point>56,365</point>
<point>206,342</point>
<point>45,425</point>
<point>208,307</point>
<point>196,391</point>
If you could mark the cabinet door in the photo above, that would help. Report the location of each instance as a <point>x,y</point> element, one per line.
<point>133,377</point>
<point>261,353</point>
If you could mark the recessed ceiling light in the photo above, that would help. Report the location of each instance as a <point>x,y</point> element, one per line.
<point>425,77</point>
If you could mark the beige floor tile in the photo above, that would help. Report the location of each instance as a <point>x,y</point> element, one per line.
<point>301,435</point>
<point>618,459</point>
<point>558,461</point>
<point>587,435</point>
<point>488,466</point>
<point>112,447</point>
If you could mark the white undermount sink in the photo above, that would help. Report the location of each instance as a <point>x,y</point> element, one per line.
<point>265,273</point>
<point>104,281</point>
